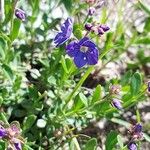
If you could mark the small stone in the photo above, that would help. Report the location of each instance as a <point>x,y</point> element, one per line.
<point>41,123</point>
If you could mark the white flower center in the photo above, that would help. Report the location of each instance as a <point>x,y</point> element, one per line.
<point>84,49</point>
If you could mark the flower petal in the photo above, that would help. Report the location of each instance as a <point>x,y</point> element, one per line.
<point>65,33</point>
<point>60,39</point>
<point>72,49</point>
<point>17,144</point>
<point>89,44</point>
<point>2,132</point>
<point>92,56</point>
<point>132,146</point>
<point>116,103</point>
<point>80,59</point>
<point>81,42</point>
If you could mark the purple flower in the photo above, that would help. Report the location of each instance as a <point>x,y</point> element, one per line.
<point>137,128</point>
<point>84,52</point>
<point>2,132</point>
<point>65,33</point>
<point>116,103</point>
<point>20,14</point>
<point>92,11</point>
<point>132,146</point>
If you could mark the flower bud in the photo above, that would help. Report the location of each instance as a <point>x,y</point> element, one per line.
<point>91,2</point>
<point>148,86</point>
<point>100,31</point>
<point>132,146</point>
<point>20,14</point>
<point>92,11</point>
<point>88,26</point>
<point>115,89</point>
<point>104,27</point>
<point>116,103</point>
<point>136,131</point>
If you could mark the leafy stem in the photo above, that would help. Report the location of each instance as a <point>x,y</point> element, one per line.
<point>87,73</point>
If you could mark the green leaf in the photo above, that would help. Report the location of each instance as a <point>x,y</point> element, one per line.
<point>143,40</point>
<point>126,78</point>
<point>28,122</point>
<point>120,141</point>
<point>1,101</point>
<point>77,30</point>
<point>147,25</point>
<point>144,7</point>
<point>97,94</point>
<point>121,122</point>
<point>63,62</point>
<point>35,6</point>
<point>136,82</point>
<point>79,102</point>
<point>15,29</point>
<point>101,108</point>
<point>8,72</point>
<point>108,44</point>
<point>17,83</point>
<point>67,4</point>
<point>2,47</point>
<point>111,140</point>
<point>74,145</point>
<point>2,145</point>
<point>26,147</point>
<point>91,144</point>
<point>146,137</point>
<point>51,80</point>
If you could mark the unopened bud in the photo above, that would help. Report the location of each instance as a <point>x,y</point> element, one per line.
<point>104,27</point>
<point>88,26</point>
<point>92,11</point>
<point>115,89</point>
<point>90,2</point>
<point>132,146</point>
<point>100,31</point>
<point>148,86</point>
<point>20,14</point>
<point>116,103</point>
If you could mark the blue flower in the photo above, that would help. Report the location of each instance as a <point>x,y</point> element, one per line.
<point>132,146</point>
<point>84,52</point>
<point>65,33</point>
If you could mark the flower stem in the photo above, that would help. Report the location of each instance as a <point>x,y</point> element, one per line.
<point>90,69</point>
<point>78,85</point>
<point>3,117</point>
<point>12,14</point>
